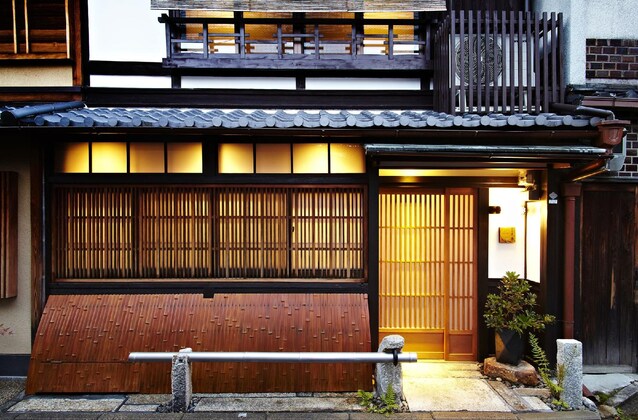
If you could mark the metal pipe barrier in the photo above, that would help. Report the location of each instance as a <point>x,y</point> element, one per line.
<point>281,357</point>
<point>387,360</point>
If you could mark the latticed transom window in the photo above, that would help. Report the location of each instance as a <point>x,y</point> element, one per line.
<point>230,232</point>
<point>34,29</point>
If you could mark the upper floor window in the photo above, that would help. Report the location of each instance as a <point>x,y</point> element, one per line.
<point>34,29</point>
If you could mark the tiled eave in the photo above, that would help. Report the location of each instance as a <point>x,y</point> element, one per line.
<point>77,115</point>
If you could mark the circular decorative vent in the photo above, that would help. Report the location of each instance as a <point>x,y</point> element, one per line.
<point>490,59</point>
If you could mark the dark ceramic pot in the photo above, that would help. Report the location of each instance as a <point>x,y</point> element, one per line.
<point>509,347</point>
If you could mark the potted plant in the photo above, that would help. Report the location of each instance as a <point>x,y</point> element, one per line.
<point>512,312</point>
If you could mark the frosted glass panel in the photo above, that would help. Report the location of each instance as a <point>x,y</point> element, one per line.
<point>184,157</point>
<point>72,158</point>
<point>235,158</point>
<point>108,157</point>
<point>273,158</point>
<point>347,158</point>
<point>311,158</point>
<point>147,157</point>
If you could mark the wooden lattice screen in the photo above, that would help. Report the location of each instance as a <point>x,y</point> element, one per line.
<point>8,234</point>
<point>498,62</point>
<point>119,232</point>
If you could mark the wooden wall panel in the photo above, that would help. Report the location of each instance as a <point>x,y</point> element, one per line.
<point>87,339</point>
<point>8,234</point>
<point>609,287</point>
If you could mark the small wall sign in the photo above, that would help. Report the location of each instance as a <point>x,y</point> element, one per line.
<point>553,198</point>
<point>507,235</point>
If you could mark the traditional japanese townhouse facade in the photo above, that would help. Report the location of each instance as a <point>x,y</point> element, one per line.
<point>239,176</point>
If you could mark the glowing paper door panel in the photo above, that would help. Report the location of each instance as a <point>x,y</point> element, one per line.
<point>427,270</point>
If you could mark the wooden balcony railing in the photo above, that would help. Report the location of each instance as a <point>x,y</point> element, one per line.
<point>298,44</point>
<point>498,62</point>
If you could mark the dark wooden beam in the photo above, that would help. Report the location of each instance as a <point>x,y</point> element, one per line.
<point>252,98</point>
<point>301,62</point>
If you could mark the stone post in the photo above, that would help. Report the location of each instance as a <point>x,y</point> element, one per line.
<point>181,381</point>
<point>388,374</point>
<point>570,356</point>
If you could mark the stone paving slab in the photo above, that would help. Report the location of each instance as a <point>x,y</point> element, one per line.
<point>148,398</point>
<point>536,404</point>
<point>456,415</point>
<point>277,404</point>
<point>148,408</point>
<point>394,416</point>
<point>452,394</point>
<point>67,404</point>
<point>513,399</point>
<point>608,383</point>
<point>11,388</point>
<point>308,416</point>
<point>561,415</point>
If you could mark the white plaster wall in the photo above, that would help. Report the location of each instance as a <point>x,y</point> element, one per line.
<point>15,313</point>
<point>507,256</point>
<point>19,76</point>
<point>583,19</point>
<point>125,30</point>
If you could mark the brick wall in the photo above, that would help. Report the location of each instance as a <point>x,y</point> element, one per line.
<point>630,169</point>
<point>612,59</point>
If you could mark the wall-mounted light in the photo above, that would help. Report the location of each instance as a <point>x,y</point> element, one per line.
<point>494,210</point>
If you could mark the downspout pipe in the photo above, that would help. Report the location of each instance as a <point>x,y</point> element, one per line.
<point>11,117</point>
<point>583,110</point>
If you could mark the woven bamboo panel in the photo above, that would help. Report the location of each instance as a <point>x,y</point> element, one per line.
<point>83,342</point>
<point>8,234</point>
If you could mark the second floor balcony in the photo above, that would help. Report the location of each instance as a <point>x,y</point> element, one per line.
<point>294,41</point>
<point>468,61</point>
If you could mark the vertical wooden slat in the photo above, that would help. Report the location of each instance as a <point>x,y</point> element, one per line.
<point>545,66</point>
<point>472,59</point>
<point>8,234</point>
<point>512,68</point>
<point>521,61</point>
<point>497,70</point>
<point>505,68</point>
<point>481,59</point>
<point>554,68</point>
<point>462,63</point>
<point>531,45</point>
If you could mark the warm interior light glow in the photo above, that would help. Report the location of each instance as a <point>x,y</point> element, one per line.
<point>273,158</point>
<point>147,157</point>
<point>347,158</point>
<point>184,157</point>
<point>310,158</point>
<point>108,157</point>
<point>72,158</point>
<point>235,158</point>
<point>449,172</point>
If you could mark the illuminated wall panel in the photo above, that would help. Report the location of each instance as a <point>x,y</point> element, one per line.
<point>108,157</point>
<point>235,158</point>
<point>147,157</point>
<point>184,157</point>
<point>72,158</point>
<point>347,158</point>
<point>273,158</point>
<point>310,158</point>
